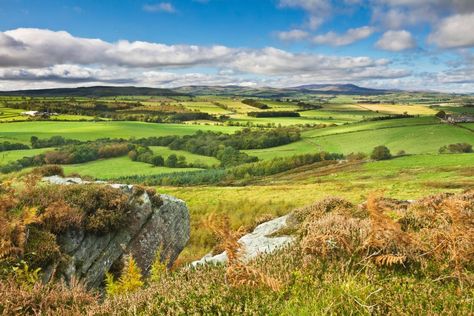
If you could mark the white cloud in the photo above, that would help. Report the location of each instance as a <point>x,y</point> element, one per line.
<point>160,7</point>
<point>318,10</point>
<point>396,41</point>
<point>454,31</point>
<point>351,36</point>
<point>293,35</point>
<point>31,56</point>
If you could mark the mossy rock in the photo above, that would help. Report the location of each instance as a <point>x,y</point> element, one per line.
<point>41,248</point>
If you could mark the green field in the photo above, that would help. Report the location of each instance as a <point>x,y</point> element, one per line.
<point>118,167</point>
<point>9,156</point>
<point>414,136</point>
<point>190,158</point>
<point>22,131</point>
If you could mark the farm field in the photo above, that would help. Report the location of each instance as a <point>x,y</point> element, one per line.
<point>190,158</point>
<point>409,135</point>
<point>118,167</point>
<point>9,156</point>
<point>22,131</point>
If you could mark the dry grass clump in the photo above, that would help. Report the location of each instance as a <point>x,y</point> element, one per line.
<point>313,212</point>
<point>437,231</point>
<point>387,243</point>
<point>334,235</point>
<point>451,241</point>
<point>237,272</point>
<point>49,170</point>
<point>39,299</point>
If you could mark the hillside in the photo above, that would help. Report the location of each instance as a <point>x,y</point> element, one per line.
<point>107,91</point>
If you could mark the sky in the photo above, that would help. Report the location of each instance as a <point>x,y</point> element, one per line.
<point>396,44</point>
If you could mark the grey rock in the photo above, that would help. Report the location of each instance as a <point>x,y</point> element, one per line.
<point>150,229</point>
<point>258,242</point>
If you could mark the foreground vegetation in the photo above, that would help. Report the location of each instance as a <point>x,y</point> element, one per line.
<point>385,257</point>
<point>246,160</point>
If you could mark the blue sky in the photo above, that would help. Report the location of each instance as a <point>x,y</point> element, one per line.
<point>407,44</point>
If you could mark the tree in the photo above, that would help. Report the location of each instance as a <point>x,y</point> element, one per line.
<point>157,161</point>
<point>441,114</point>
<point>181,162</point>
<point>381,153</point>
<point>171,161</point>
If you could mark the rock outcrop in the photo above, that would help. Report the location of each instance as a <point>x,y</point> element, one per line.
<point>262,240</point>
<point>150,228</point>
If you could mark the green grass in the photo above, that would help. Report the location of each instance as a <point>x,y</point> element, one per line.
<point>22,131</point>
<point>190,158</point>
<point>415,136</point>
<point>13,155</point>
<point>118,167</point>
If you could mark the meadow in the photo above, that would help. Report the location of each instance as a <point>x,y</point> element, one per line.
<point>337,280</point>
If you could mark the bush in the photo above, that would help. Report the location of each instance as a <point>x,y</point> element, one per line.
<point>157,161</point>
<point>456,148</point>
<point>171,161</point>
<point>41,248</point>
<point>255,104</point>
<point>49,170</point>
<point>274,114</point>
<point>356,156</point>
<point>441,114</point>
<point>381,153</point>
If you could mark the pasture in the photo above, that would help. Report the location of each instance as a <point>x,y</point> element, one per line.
<point>118,167</point>
<point>22,131</point>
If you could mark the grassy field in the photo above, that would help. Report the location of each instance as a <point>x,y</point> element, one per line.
<point>190,158</point>
<point>8,156</point>
<point>118,167</point>
<point>414,136</point>
<point>408,177</point>
<point>22,131</point>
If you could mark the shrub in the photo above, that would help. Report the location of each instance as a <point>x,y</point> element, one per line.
<point>129,281</point>
<point>157,161</point>
<point>456,148</point>
<point>41,248</point>
<point>171,161</point>
<point>441,114</point>
<point>274,114</point>
<point>49,170</point>
<point>381,153</point>
<point>356,156</point>
<point>256,104</point>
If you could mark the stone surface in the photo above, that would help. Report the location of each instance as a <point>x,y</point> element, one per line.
<point>149,229</point>
<point>256,243</point>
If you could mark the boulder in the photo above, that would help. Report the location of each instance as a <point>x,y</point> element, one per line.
<point>150,229</point>
<point>261,241</point>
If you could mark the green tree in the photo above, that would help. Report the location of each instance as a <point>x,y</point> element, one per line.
<point>381,153</point>
<point>171,161</point>
<point>157,161</point>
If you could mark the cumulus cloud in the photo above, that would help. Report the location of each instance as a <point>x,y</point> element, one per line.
<point>454,31</point>
<point>36,55</point>
<point>42,48</point>
<point>396,41</point>
<point>293,35</point>
<point>159,7</point>
<point>351,36</point>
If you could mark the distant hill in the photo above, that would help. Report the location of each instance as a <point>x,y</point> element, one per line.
<point>108,91</point>
<point>339,88</point>
<point>97,91</point>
